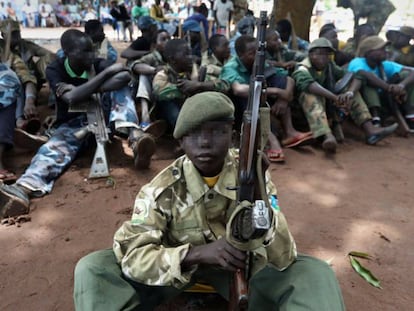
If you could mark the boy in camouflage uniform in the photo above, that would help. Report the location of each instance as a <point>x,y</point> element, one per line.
<point>74,80</point>
<point>145,68</point>
<point>35,57</point>
<point>177,234</point>
<point>215,57</point>
<point>237,72</point>
<point>172,85</point>
<point>278,55</point>
<point>315,79</point>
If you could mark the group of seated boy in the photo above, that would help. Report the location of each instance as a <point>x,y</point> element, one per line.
<point>314,89</point>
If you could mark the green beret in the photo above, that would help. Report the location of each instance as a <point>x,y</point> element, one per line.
<point>14,25</point>
<point>203,107</point>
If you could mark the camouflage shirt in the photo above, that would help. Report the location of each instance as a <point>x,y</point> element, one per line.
<point>305,74</point>
<point>153,59</point>
<point>286,55</point>
<point>19,67</point>
<point>176,210</point>
<point>214,66</point>
<point>165,87</point>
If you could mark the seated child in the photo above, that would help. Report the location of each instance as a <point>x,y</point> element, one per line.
<point>75,79</point>
<point>315,78</point>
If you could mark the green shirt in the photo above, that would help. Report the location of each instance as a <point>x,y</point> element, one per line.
<point>305,74</point>
<point>138,11</point>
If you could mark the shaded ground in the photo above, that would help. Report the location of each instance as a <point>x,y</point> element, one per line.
<point>360,199</point>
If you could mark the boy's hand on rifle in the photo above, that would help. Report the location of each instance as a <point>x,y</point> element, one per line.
<point>188,87</point>
<point>218,253</point>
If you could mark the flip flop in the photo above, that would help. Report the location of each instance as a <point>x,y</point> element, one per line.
<point>275,155</point>
<point>7,176</point>
<point>300,139</point>
<point>32,125</point>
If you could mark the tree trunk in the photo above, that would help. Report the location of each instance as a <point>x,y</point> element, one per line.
<point>300,11</point>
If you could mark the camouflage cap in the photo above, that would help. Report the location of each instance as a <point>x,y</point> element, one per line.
<point>371,43</point>
<point>203,107</point>
<point>14,25</point>
<point>321,43</point>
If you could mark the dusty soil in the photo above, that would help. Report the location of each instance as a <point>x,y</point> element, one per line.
<point>358,200</point>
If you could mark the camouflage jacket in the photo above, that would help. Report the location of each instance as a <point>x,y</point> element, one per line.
<point>153,59</point>
<point>176,210</point>
<point>286,55</point>
<point>164,85</point>
<point>19,67</point>
<point>214,66</point>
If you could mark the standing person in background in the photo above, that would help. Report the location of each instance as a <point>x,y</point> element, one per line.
<point>244,27</point>
<point>123,20</point>
<point>223,10</point>
<point>11,12</point>
<point>30,15</point>
<point>138,10</point>
<point>375,11</point>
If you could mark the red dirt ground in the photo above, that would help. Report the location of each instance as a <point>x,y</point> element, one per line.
<point>358,200</point>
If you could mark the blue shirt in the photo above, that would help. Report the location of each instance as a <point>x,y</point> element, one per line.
<point>390,68</point>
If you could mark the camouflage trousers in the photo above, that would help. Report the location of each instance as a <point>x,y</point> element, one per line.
<point>314,108</point>
<point>55,156</point>
<point>377,18</point>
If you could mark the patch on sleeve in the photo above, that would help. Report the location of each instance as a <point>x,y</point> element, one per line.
<point>141,211</point>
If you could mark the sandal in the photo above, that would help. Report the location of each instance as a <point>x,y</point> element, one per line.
<point>32,125</point>
<point>275,155</point>
<point>300,139</point>
<point>7,177</point>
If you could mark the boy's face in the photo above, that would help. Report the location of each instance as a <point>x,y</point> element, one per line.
<point>332,36</point>
<point>162,39</point>
<point>320,58</point>
<point>377,56</point>
<point>183,59</point>
<point>222,50</point>
<point>247,58</point>
<point>273,42</point>
<point>207,146</point>
<point>83,55</point>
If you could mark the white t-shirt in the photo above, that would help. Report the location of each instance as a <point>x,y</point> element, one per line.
<point>223,10</point>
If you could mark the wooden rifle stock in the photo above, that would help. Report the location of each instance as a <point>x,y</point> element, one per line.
<point>247,176</point>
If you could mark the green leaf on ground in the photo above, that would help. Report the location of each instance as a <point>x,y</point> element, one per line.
<point>364,272</point>
<point>360,255</point>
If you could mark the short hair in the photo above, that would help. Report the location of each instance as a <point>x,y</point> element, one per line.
<point>242,42</point>
<point>154,38</point>
<point>69,39</point>
<point>92,25</point>
<point>326,28</point>
<point>214,41</point>
<point>172,47</point>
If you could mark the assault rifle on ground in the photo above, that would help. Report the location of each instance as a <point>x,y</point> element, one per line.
<point>97,126</point>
